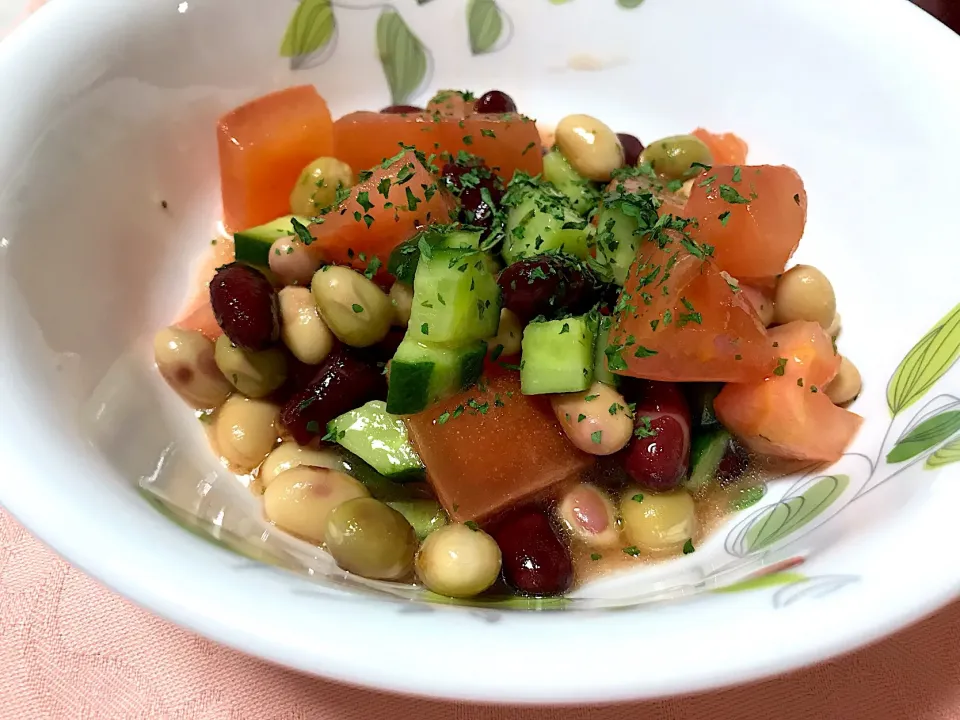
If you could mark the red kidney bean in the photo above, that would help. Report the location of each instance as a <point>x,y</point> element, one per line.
<point>632,147</point>
<point>345,380</point>
<point>658,456</point>
<point>535,561</point>
<point>548,285</point>
<point>468,182</point>
<point>733,464</point>
<point>401,109</point>
<point>245,306</point>
<point>495,101</point>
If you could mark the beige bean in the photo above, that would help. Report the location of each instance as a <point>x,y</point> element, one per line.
<point>301,328</point>
<point>185,359</point>
<point>371,539</point>
<point>401,298</point>
<point>835,327</point>
<point>658,522</point>
<point>804,293</point>
<point>289,455</point>
<point>300,500</point>
<point>588,514</point>
<point>760,302</point>
<point>590,146</point>
<point>254,373</point>
<point>457,561</point>
<point>589,424</point>
<point>291,262</point>
<point>353,307</point>
<point>246,431</point>
<point>846,385</point>
<point>509,335</point>
<point>317,186</point>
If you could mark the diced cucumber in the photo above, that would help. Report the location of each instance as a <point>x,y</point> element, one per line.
<point>456,299</point>
<point>403,261</point>
<point>545,222</point>
<point>601,372</point>
<point>706,451</point>
<point>380,439</point>
<point>617,242</point>
<point>422,374</point>
<point>424,515</point>
<point>584,195</point>
<point>253,245</point>
<point>557,356</point>
<point>702,396</point>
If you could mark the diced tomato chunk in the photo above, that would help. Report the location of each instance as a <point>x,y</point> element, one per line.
<point>680,319</point>
<point>450,103</point>
<point>726,148</point>
<point>507,142</point>
<point>263,146</point>
<point>199,313</point>
<point>493,447</point>
<point>364,140</point>
<point>369,224</point>
<point>787,414</point>
<point>753,216</point>
<point>670,203</point>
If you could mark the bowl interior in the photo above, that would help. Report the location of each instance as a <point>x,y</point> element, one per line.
<point>110,192</point>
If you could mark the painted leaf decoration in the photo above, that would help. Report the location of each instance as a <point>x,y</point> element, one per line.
<point>812,588</point>
<point>758,583</point>
<point>485,23</point>
<point>949,453</point>
<point>402,55</point>
<point>926,363</point>
<point>311,29</point>
<point>748,497</point>
<point>925,435</point>
<point>790,514</point>
<point>629,4</point>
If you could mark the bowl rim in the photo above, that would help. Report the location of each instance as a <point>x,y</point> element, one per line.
<point>336,645</point>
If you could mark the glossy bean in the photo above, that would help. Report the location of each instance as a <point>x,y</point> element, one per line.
<point>246,431</point>
<point>357,311</point>
<point>289,455</point>
<point>401,298</point>
<point>255,374</point>
<point>673,157</point>
<point>245,306</point>
<point>587,513</point>
<point>658,456</point>
<point>302,330</point>
<point>590,146</point>
<point>370,539</point>
<point>632,147</point>
<point>344,381</point>
<point>300,500</point>
<point>805,293</point>
<point>548,285</point>
<point>185,359</point>
<point>291,262</point>
<point>596,421</point>
<point>846,385</point>
<point>316,188</point>
<point>506,342</point>
<point>495,101</point>
<point>535,561</point>
<point>401,109</point>
<point>658,522</point>
<point>760,302</point>
<point>457,561</point>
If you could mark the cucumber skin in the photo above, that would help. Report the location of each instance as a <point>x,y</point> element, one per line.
<point>706,451</point>
<point>252,246</point>
<point>546,344</point>
<point>422,374</point>
<point>530,231</point>
<point>378,423</point>
<point>424,516</point>
<point>405,257</point>
<point>557,170</point>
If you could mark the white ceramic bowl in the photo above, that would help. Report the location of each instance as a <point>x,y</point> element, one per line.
<point>109,109</point>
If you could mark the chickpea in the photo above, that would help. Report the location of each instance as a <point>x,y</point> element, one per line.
<point>458,562</point>
<point>658,522</point>
<point>301,329</point>
<point>254,373</point>
<point>589,424</point>
<point>588,514</point>
<point>761,304</point>
<point>590,146</point>
<point>835,327</point>
<point>673,157</point>
<point>291,262</point>
<point>371,539</point>
<point>246,431</point>
<point>317,186</point>
<point>804,293</point>
<point>185,359</point>
<point>401,298</point>
<point>846,385</point>
<point>289,455</point>
<point>353,307</point>
<point>509,335</point>
<point>300,500</point>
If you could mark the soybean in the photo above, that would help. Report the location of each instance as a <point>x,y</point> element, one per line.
<point>255,373</point>
<point>185,359</point>
<point>289,455</point>
<point>590,146</point>
<point>673,157</point>
<point>353,307</point>
<point>371,539</point>
<point>458,561</point>
<point>316,188</point>
<point>246,430</point>
<point>401,298</point>
<point>509,335</point>
<point>596,421</point>
<point>846,385</point>
<point>658,522</point>
<point>804,293</point>
<point>301,329</point>
<point>300,500</point>
<point>291,262</point>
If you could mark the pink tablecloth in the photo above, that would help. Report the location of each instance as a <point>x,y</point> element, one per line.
<point>72,650</point>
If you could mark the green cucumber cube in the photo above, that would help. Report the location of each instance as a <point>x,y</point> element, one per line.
<point>253,245</point>
<point>557,356</point>
<point>543,223</point>
<point>582,193</point>
<point>422,374</point>
<point>380,439</point>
